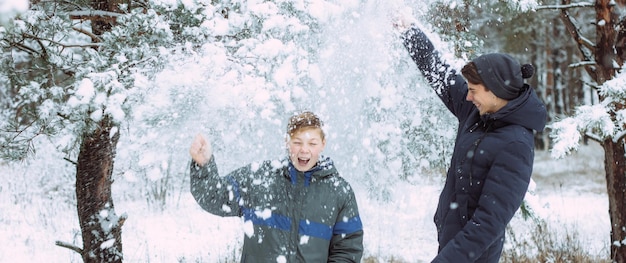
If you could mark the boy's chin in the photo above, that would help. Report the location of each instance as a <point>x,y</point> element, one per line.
<point>303,166</point>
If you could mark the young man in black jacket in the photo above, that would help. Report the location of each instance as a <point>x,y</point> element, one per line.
<point>493,153</point>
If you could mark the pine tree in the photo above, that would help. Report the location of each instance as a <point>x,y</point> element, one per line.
<point>71,69</point>
<point>603,62</point>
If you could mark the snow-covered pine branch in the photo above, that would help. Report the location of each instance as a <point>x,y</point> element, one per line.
<point>567,6</point>
<point>589,119</point>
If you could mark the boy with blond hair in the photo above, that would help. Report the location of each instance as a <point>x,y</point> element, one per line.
<point>300,208</point>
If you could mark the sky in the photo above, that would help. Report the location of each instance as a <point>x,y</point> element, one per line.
<point>38,206</point>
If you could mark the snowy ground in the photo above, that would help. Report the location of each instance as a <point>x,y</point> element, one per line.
<point>570,194</point>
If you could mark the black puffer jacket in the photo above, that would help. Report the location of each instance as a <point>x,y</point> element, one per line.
<point>296,216</point>
<point>491,165</point>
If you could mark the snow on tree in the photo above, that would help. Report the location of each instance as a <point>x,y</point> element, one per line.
<point>10,8</point>
<point>603,61</point>
<point>71,70</point>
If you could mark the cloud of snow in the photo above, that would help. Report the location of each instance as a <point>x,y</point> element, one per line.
<point>219,93</point>
<point>11,8</point>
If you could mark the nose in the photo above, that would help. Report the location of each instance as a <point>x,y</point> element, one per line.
<point>469,97</point>
<point>304,148</point>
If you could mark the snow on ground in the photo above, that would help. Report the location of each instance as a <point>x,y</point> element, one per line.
<point>572,194</point>
<point>569,196</point>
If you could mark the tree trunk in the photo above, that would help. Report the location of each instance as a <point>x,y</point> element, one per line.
<point>614,154</point>
<point>101,24</point>
<point>615,166</point>
<point>101,228</point>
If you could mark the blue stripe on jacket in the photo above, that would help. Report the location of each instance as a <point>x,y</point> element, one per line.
<point>324,231</point>
<point>305,227</point>
<point>274,221</point>
<point>315,229</point>
<point>348,226</point>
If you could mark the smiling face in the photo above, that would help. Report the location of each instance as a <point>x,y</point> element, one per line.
<point>484,99</point>
<point>305,146</point>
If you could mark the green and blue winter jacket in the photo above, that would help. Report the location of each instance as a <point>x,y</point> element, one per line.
<point>296,216</point>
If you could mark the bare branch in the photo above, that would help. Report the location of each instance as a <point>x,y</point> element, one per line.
<point>586,48</point>
<point>565,6</point>
<point>61,44</point>
<point>43,48</point>
<point>617,137</point>
<point>89,14</point>
<point>593,85</point>
<point>586,42</point>
<point>96,15</point>
<point>25,48</point>
<point>72,162</point>
<point>134,63</point>
<point>593,137</point>
<point>122,220</point>
<point>70,246</point>
<point>582,64</point>
<point>93,36</point>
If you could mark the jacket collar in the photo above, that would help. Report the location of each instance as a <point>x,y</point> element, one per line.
<point>526,110</point>
<point>324,167</point>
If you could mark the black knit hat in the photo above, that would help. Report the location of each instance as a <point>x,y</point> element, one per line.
<point>502,74</point>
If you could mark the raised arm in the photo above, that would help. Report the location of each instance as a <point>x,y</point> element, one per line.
<point>215,194</point>
<point>442,78</point>
<point>439,75</point>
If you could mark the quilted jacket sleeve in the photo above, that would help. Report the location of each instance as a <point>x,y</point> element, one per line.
<point>215,194</point>
<point>346,244</point>
<point>443,79</point>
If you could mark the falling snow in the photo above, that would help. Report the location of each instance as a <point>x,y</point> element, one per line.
<point>243,113</point>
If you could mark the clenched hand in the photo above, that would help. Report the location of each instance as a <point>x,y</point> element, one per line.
<point>200,150</point>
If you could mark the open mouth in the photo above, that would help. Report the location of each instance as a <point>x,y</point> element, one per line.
<point>303,162</point>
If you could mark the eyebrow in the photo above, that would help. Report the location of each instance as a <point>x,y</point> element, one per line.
<point>306,139</point>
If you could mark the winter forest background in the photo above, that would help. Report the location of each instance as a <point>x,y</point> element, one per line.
<point>100,100</point>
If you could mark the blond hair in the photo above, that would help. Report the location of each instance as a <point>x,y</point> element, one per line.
<point>304,120</point>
